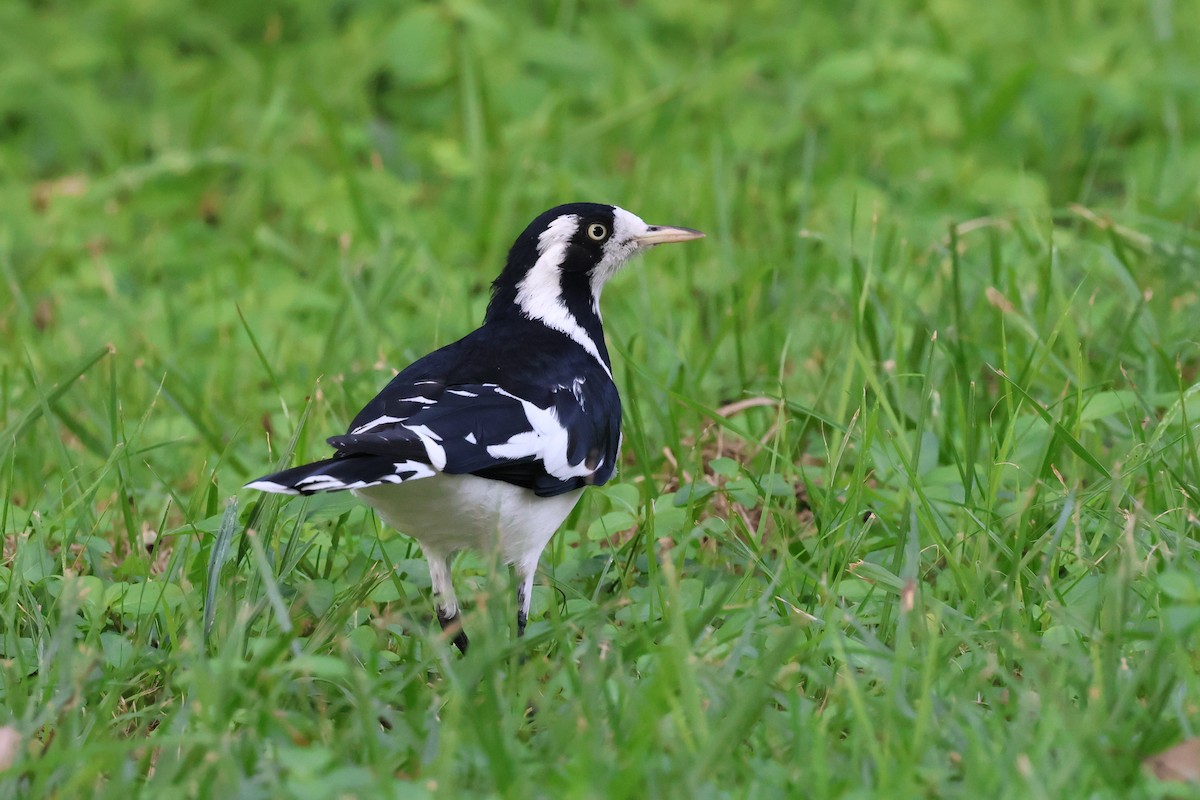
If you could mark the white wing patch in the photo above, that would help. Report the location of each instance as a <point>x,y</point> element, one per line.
<point>430,439</point>
<point>547,441</point>
<point>375,423</point>
<point>320,483</point>
<point>271,486</point>
<point>421,470</point>
<point>436,453</point>
<point>576,389</point>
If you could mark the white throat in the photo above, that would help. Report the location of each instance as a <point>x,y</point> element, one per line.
<point>619,248</point>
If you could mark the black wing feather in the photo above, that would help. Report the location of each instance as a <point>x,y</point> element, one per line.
<point>484,422</point>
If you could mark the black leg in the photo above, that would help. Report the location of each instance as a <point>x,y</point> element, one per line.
<point>524,593</point>
<point>522,609</point>
<point>452,623</point>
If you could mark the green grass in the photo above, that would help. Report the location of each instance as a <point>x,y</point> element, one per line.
<point>949,551</point>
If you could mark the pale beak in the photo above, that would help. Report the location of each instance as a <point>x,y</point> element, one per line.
<point>662,234</point>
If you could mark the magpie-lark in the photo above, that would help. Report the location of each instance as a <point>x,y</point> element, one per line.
<point>488,442</point>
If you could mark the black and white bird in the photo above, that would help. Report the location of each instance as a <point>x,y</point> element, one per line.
<point>489,442</point>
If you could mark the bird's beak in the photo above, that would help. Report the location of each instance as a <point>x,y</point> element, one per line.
<point>662,234</point>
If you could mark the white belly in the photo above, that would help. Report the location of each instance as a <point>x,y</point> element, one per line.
<point>448,513</point>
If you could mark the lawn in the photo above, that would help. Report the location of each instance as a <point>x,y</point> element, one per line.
<point>911,474</point>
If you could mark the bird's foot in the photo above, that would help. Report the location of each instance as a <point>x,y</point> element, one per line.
<point>452,624</point>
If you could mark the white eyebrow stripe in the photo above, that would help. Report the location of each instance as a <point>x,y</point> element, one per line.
<point>539,293</point>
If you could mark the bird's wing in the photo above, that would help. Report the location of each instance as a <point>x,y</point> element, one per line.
<point>548,440</point>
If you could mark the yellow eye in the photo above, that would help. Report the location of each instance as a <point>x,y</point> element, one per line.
<point>597,231</point>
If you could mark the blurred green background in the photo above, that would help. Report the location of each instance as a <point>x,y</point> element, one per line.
<point>369,163</point>
<point>952,263</point>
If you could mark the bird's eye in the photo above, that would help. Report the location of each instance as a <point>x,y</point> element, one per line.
<point>597,231</point>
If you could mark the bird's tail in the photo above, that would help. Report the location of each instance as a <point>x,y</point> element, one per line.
<point>333,475</point>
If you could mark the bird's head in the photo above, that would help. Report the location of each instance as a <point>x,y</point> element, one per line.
<point>571,249</point>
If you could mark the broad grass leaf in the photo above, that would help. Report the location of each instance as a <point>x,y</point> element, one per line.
<point>33,562</point>
<point>315,664</point>
<point>85,591</point>
<point>18,648</point>
<point>725,467</point>
<point>414,571</point>
<point>319,595</point>
<point>144,598</point>
<point>623,495</point>
<point>669,518</point>
<point>743,491</point>
<point>385,592</point>
<point>1107,404</point>
<point>878,574</point>
<point>775,485</point>
<point>118,650</point>
<point>611,523</point>
<point>692,492</point>
<point>1180,586</point>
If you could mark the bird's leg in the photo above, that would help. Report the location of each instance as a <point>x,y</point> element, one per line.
<point>525,574</point>
<point>454,623</point>
<point>444,599</point>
